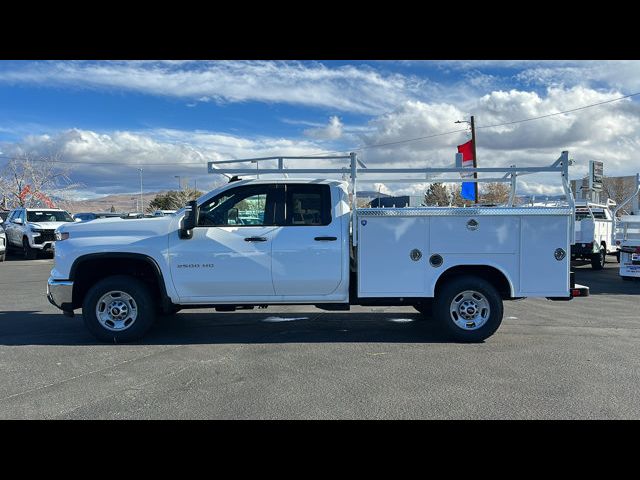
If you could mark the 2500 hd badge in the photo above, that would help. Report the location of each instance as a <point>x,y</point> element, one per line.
<point>195,265</point>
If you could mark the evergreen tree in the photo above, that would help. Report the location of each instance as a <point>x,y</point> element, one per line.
<point>437,195</point>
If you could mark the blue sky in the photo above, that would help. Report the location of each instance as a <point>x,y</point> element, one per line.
<point>165,117</point>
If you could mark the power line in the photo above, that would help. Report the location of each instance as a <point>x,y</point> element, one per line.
<point>365,147</point>
<point>356,149</point>
<point>559,113</point>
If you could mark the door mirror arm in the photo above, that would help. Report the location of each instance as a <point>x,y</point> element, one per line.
<point>190,220</point>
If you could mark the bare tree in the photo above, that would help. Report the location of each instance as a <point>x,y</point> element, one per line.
<point>173,200</point>
<point>28,181</point>
<point>457,200</point>
<point>495,192</point>
<point>619,189</point>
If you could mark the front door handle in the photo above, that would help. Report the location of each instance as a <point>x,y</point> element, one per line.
<point>326,239</point>
<point>255,239</point>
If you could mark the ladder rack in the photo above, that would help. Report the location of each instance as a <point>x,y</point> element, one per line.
<point>358,171</point>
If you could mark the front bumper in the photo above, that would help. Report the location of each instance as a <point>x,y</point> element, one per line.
<point>60,294</point>
<point>48,246</point>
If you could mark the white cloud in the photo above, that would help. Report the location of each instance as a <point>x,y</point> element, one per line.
<point>109,162</point>
<point>332,131</point>
<point>619,74</point>
<point>349,88</point>
<point>610,133</point>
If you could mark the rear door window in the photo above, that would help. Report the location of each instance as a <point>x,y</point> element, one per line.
<point>308,205</point>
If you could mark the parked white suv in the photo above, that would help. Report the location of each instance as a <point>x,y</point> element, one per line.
<point>32,230</point>
<point>3,242</point>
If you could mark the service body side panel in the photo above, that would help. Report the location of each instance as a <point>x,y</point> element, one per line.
<point>493,237</point>
<point>385,267</point>
<point>541,273</point>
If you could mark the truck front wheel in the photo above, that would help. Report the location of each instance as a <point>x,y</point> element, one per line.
<point>598,259</point>
<point>118,309</point>
<point>27,252</point>
<point>469,308</point>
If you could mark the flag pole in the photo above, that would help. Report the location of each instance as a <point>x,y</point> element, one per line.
<point>475,159</point>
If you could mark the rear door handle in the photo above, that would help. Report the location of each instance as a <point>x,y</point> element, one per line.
<point>326,239</point>
<point>255,239</point>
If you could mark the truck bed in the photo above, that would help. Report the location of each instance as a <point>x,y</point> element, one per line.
<point>404,251</point>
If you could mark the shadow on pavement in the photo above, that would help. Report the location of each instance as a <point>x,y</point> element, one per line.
<point>34,328</point>
<point>606,281</point>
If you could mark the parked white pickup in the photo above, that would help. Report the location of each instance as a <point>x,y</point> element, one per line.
<point>295,241</point>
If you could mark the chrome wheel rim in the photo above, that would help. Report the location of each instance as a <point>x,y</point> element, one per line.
<point>116,311</point>
<point>470,310</point>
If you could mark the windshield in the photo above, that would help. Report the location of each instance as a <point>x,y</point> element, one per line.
<point>48,216</point>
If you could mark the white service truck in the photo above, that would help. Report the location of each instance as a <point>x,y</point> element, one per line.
<point>293,241</point>
<point>594,228</point>
<point>628,237</point>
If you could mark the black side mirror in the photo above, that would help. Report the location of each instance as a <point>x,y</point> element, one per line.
<point>232,216</point>
<point>190,220</point>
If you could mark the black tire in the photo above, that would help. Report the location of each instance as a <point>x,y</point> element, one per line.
<point>144,306</point>
<point>170,314</point>
<point>453,289</point>
<point>2,255</point>
<point>425,307</point>
<point>27,252</point>
<point>598,260</point>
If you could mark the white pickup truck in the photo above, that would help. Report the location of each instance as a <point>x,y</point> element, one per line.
<point>294,241</point>
<point>32,230</point>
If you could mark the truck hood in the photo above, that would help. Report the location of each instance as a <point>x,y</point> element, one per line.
<point>119,227</point>
<point>47,225</point>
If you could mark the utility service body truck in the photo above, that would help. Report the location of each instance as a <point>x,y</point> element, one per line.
<point>594,233</point>
<point>627,236</point>
<point>260,242</point>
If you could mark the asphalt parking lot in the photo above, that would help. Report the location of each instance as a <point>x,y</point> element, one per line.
<point>548,360</point>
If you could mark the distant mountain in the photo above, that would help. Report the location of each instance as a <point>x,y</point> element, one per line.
<point>371,194</point>
<point>124,202</point>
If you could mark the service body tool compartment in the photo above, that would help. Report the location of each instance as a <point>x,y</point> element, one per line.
<point>392,255</point>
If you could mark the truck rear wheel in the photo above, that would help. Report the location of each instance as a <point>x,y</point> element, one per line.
<point>469,308</point>
<point>118,309</point>
<point>598,259</point>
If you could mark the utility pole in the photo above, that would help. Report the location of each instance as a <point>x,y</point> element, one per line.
<point>141,201</point>
<point>475,158</point>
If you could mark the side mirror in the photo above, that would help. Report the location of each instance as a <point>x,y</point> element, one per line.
<point>190,220</point>
<point>232,216</point>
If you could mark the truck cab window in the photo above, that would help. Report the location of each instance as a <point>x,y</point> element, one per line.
<point>308,205</point>
<point>243,206</point>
